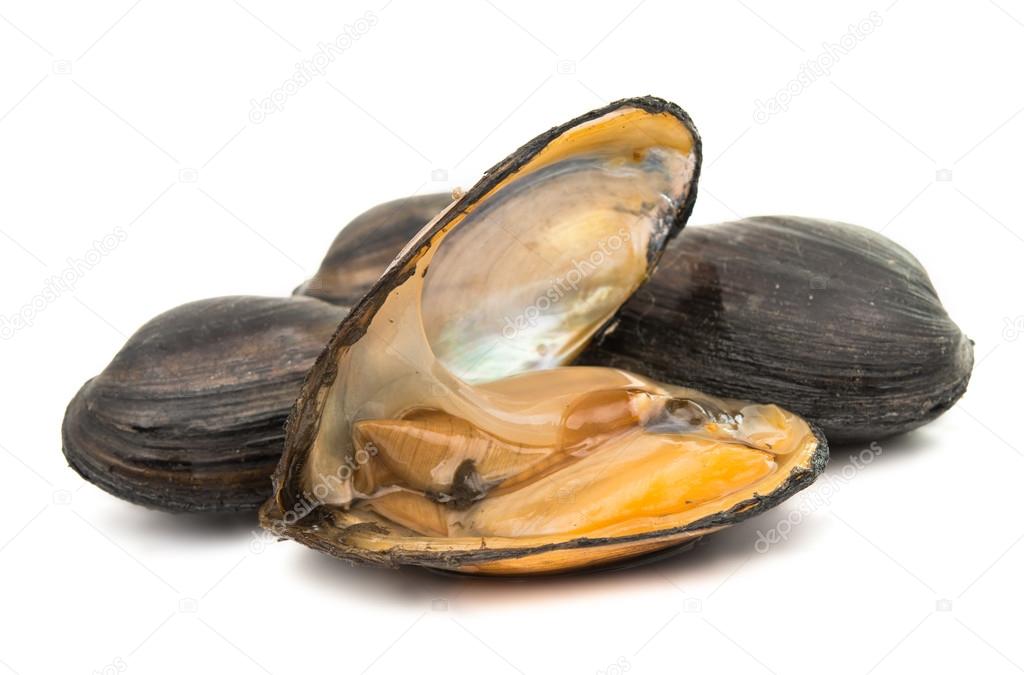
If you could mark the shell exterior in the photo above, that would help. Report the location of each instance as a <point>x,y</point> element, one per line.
<point>424,354</point>
<point>365,246</point>
<point>189,415</point>
<point>832,321</point>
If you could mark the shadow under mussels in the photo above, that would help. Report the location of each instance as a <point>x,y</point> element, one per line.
<point>187,528</point>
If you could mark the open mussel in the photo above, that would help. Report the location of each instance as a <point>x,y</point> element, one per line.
<point>439,429</point>
<point>831,320</point>
<point>189,415</point>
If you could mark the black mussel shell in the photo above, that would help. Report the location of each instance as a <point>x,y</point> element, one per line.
<point>367,245</point>
<point>189,415</point>
<point>833,321</point>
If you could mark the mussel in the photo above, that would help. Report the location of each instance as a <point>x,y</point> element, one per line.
<point>189,415</point>
<point>832,321</point>
<point>443,425</point>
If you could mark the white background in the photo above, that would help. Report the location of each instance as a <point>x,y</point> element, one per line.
<point>137,116</point>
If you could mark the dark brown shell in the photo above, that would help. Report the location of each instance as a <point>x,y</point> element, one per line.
<point>832,321</point>
<point>189,415</point>
<point>368,244</point>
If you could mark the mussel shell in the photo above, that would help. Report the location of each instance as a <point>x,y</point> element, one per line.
<point>367,245</point>
<point>832,321</point>
<point>364,247</point>
<point>189,415</point>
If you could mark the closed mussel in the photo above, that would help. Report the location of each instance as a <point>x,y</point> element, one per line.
<point>189,415</point>
<point>833,321</point>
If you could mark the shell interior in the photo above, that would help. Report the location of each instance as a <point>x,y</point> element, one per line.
<point>443,426</point>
